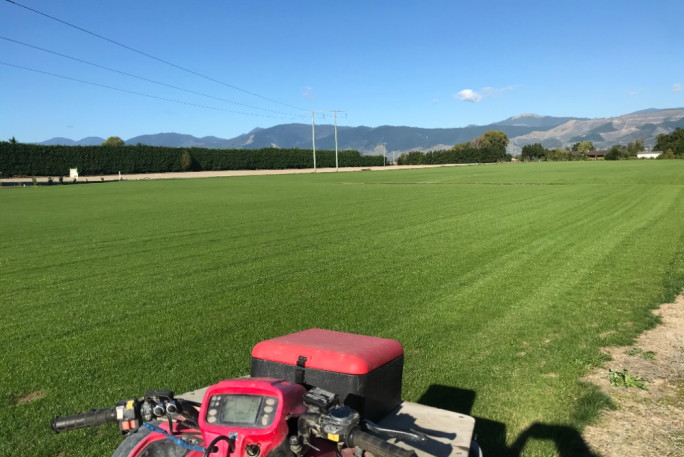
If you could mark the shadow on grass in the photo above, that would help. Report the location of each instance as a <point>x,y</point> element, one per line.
<point>491,435</point>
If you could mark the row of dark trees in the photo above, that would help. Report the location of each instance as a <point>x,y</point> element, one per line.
<point>447,156</point>
<point>19,159</point>
<point>488,148</point>
<point>621,152</point>
<point>538,152</point>
<point>672,144</point>
<point>580,151</point>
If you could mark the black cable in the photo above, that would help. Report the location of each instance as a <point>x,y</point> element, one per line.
<point>137,93</point>
<point>153,57</point>
<point>211,448</point>
<point>142,77</point>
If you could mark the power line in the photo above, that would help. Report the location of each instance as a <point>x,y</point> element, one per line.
<point>142,77</point>
<point>153,57</point>
<point>136,93</point>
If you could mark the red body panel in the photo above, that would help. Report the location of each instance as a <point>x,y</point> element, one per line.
<point>153,437</point>
<point>289,404</point>
<point>330,350</point>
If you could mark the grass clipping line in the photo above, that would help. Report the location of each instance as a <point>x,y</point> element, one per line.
<point>648,421</point>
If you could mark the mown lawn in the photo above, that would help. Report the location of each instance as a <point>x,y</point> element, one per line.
<point>501,281</point>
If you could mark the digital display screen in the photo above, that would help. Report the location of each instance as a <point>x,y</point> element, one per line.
<point>240,409</point>
<point>253,411</point>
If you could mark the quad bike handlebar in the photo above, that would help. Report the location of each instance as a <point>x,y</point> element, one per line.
<point>94,418</point>
<point>130,413</point>
<point>325,419</point>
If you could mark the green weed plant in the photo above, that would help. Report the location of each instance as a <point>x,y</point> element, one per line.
<point>623,378</point>
<point>647,355</point>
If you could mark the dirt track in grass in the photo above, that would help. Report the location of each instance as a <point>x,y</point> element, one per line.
<point>646,422</point>
<point>223,173</point>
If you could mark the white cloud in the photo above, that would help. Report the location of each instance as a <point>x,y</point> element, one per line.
<point>676,87</point>
<point>308,92</point>
<point>633,93</point>
<point>469,95</point>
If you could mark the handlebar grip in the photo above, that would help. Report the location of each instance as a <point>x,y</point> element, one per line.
<point>93,418</point>
<point>377,446</point>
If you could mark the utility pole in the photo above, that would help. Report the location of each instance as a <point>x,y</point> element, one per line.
<point>313,139</point>
<point>337,166</point>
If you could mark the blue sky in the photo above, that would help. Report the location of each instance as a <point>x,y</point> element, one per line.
<point>413,63</point>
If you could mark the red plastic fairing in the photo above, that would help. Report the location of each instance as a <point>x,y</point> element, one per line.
<point>330,350</point>
<point>289,404</point>
<point>151,439</point>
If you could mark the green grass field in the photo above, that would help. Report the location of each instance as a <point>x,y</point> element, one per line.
<point>501,281</point>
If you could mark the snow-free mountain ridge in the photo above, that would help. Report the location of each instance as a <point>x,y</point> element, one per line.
<point>522,129</point>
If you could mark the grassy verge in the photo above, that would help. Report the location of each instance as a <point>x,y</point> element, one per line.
<point>501,280</point>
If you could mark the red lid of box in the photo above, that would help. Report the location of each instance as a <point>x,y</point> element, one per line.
<point>330,350</point>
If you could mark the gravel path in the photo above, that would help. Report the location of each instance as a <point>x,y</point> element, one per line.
<point>223,173</point>
<point>646,422</point>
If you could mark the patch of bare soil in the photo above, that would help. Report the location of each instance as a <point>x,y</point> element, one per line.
<point>646,422</point>
<point>31,396</point>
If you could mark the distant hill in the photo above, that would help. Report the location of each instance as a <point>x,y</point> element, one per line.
<point>537,121</point>
<point>373,140</point>
<point>177,140</point>
<point>88,141</point>
<point>521,130</point>
<point>605,132</point>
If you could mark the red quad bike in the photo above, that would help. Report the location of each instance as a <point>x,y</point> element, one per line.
<point>314,393</point>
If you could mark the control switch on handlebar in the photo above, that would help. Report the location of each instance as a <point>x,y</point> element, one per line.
<point>338,423</point>
<point>128,416</point>
<point>320,401</point>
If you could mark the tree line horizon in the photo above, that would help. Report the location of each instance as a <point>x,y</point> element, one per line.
<point>23,159</point>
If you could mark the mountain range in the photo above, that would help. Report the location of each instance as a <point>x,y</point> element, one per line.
<point>521,130</point>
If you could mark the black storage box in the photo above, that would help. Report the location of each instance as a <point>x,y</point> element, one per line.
<point>365,371</point>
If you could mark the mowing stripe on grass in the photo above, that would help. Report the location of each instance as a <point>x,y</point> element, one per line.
<point>503,280</point>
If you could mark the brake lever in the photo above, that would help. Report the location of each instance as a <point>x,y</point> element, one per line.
<point>413,437</point>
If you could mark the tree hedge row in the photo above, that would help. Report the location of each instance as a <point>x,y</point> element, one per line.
<point>672,144</point>
<point>19,159</point>
<point>460,154</point>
